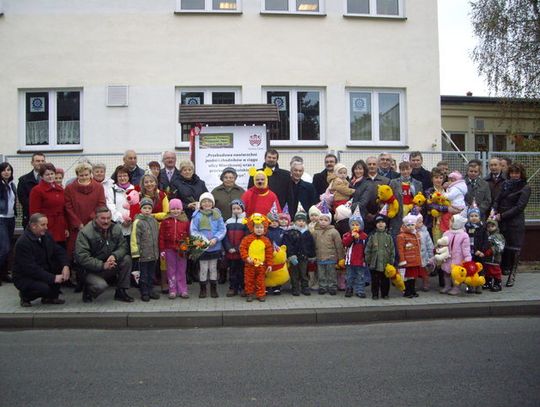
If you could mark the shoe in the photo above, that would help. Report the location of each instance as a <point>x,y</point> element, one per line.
<point>55,301</point>
<point>306,291</point>
<point>213,290</point>
<point>122,295</point>
<point>296,293</point>
<point>276,291</point>
<point>184,295</point>
<point>231,293</point>
<point>202,292</point>
<point>86,296</point>
<point>249,298</point>
<point>332,291</point>
<point>375,297</point>
<point>164,292</point>
<point>361,295</point>
<point>243,294</point>
<point>261,299</point>
<point>154,296</point>
<point>496,287</point>
<point>385,297</point>
<point>145,298</point>
<point>171,296</point>
<point>348,292</point>
<point>322,291</point>
<point>24,302</point>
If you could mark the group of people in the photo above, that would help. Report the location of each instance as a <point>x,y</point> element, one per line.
<point>339,230</point>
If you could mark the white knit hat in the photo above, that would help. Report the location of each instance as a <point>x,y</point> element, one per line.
<point>207,195</point>
<point>458,221</point>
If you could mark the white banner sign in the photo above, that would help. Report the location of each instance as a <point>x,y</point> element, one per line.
<point>239,147</point>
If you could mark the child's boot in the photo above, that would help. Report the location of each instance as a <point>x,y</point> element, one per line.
<point>213,289</point>
<point>489,283</point>
<point>447,284</point>
<point>202,292</point>
<point>454,290</point>
<point>497,286</point>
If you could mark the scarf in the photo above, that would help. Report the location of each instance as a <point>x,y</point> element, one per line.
<point>205,223</point>
<point>355,181</point>
<point>124,186</point>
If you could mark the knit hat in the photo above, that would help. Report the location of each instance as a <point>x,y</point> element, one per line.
<point>455,175</point>
<point>338,167</point>
<point>207,195</point>
<point>314,211</point>
<point>409,219</point>
<point>356,217</point>
<point>228,170</point>
<point>492,221</point>
<point>381,218</point>
<point>238,202</point>
<point>300,216</point>
<point>146,201</point>
<point>273,215</point>
<point>175,204</point>
<point>473,209</point>
<point>458,222</point>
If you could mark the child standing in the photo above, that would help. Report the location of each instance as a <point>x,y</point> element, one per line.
<point>173,232</point>
<point>314,213</point>
<point>460,251</point>
<point>493,257</point>
<point>284,219</point>
<point>380,251</point>
<point>478,237</point>
<point>329,250</point>
<point>236,230</point>
<point>144,247</point>
<point>300,247</point>
<point>409,252</point>
<point>426,249</point>
<point>207,222</point>
<point>275,233</point>
<point>355,243</point>
<point>258,254</point>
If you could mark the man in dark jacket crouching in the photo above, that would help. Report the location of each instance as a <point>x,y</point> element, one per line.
<point>40,264</point>
<point>101,254</point>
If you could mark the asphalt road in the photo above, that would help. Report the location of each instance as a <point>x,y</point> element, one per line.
<point>469,362</point>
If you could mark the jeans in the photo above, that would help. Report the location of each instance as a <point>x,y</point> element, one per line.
<point>356,278</point>
<point>146,279</point>
<point>7,227</point>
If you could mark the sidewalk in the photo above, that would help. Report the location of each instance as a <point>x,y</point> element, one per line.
<point>104,312</point>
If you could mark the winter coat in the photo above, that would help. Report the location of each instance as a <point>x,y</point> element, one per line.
<point>144,238</point>
<point>396,185</point>
<point>478,190</point>
<point>171,231</point>
<point>49,200</point>
<point>455,193</point>
<point>189,190</point>
<point>224,196</point>
<point>275,235</point>
<point>82,202</point>
<point>299,243</point>
<point>495,249</point>
<point>94,246</point>
<point>37,261</point>
<point>302,192</point>
<point>423,176</point>
<point>25,185</point>
<point>426,245</point>
<point>116,198</point>
<point>409,248</point>
<point>380,250</point>
<point>459,246</point>
<point>365,197</point>
<point>217,230</point>
<point>260,200</point>
<point>328,244</point>
<point>320,182</point>
<point>4,197</point>
<point>511,204</point>
<point>236,231</point>
<point>136,175</point>
<point>355,248</point>
<point>278,183</point>
<point>495,184</point>
<point>340,188</point>
<point>478,237</point>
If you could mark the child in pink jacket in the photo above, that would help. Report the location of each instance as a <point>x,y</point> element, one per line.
<point>460,251</point>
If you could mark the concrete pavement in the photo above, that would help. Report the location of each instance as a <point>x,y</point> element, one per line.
<point>522,299</point>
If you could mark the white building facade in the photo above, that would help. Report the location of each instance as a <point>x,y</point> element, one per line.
<point>101,76</point>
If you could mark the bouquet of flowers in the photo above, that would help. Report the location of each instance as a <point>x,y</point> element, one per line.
<point>197,246</point>
<point>182,246</point>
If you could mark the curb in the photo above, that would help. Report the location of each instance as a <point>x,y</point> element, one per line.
<point>284,317</point>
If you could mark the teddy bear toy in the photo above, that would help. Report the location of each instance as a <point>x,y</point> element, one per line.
<point>132,203</point>
<point>386,197</point>
<point>395,277</point>
<point>468,273</point>
<point>437,199</point>
<point>442,253</point>
<point>280,273</point>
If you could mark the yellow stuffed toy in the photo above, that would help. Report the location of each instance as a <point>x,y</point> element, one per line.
<point>386,197</point>
<point>280,272</point>
<point>438,199</point>
<point>395,277</point>
<point>468,273</point>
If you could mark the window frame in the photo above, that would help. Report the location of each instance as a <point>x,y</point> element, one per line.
<point>53,120</point>
<point>293,119</point>
<point>292,9</point>
<point>372,11</point>
<point>207,90</point>
<point>208,8</point>
<point>375,135</point>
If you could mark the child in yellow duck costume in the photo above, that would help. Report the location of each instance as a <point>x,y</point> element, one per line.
<point>257,252</point>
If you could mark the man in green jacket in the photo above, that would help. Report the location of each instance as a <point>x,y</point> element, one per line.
<point>101,253</point>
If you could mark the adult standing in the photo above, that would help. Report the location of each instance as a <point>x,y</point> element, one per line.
<point>419,173</point>
<point>477,190</point>
<point>509,208</point>
<point>190,187</point>
<point>259,198</point>
<point>385,166</point>
<point>40,264</point>
<point>102,255</point>
<point>135,172</point>
<point>320,180</point>
<point>373,173</point>
<point>300,191</point>
<point>297,159</point>
<point>116,198</point>
<point>82,197</point>
<point>365,194</point>
<point>169,175</point>
<point>225,193</point>
<point>48,198</point>
<point>99,173</point>
<point>495,178</point>
<point>8,212</point>
<point>26,183</point>
<point>278,182</point>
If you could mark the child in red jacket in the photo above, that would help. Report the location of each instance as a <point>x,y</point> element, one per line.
<point>172,240</point>
<point>355,243</point>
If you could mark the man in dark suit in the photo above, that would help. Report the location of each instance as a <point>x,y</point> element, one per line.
<point>26,183</point>
<point>320,180</point>
<point>300,190</point>
<point>278,182</point>
<point>419,173</point>
<point>495,178</point>
<point>169,175</point>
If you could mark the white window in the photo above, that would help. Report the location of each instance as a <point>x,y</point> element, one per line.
<point>293,6</point>
<point>51,119</point>
<point>202,96</point>
<point>376,116</point>
<point>208,6</point>
<point>381,8</point>
<point>301,113</point>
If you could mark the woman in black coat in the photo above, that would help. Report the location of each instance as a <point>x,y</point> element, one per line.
<point>365,195</point>
<point>189,187</point>
<point>509,209</point>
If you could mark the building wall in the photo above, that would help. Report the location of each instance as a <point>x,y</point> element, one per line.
<point>143,44</point>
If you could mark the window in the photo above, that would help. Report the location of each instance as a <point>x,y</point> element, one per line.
<point>300,115</point>
<point>203,96</point>
<point>376,116</point>
<point>458,139</point>
<point>51,119</point>
<point>383,8</point>
<point>293,6</point>
<point>208,6</point>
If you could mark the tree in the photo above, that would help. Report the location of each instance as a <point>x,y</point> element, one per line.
<point>508,50</point>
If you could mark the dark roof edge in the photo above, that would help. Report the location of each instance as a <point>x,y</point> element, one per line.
<point>448,99</point>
